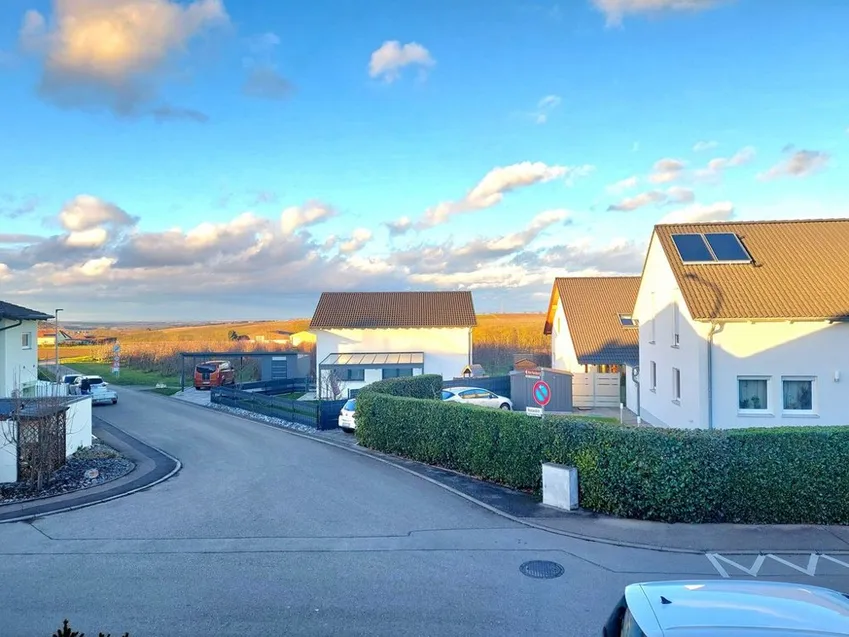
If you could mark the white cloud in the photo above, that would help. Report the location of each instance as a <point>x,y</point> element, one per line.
<point>359,238</point>
<point>392,56</point>
<point>5,272</point>
<point>704,145</point>
<point>675,194</point>
<point>701,213</point>
<point>113,53</point>
<point>297,217</point>
<point>545,107</point>
<point>91,238</point>
<point>716,167</point>
<point>96,267</point>
<point>623,184</point>
<point>667,170</point>
<point>85,212</point>
<point>498,182</point>
<point>616,10</point>
<point>801,163</point>
<point>399,226</point>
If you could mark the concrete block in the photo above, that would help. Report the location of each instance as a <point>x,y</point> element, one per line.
<point>560,486</point>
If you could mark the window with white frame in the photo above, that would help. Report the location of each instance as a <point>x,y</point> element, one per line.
<point>26,340</point>
<point>676,324</point>
<point>676,384</point>
<point>652,331</point>
<point>653,376</point>
<point>798,394</point>
<point>753,394</point>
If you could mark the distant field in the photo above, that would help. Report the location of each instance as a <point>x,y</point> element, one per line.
<point>46,352</point>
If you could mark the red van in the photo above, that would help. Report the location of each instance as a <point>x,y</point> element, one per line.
<point>214,374</point>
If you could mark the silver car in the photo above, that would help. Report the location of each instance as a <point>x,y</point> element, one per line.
<point>476,396</point>
<point>715,608</point>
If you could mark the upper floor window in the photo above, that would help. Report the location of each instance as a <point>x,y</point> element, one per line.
<point>626,320</point>
<point>676,324</point>
<point>26,340</point>
<point>652,321</point>
<point>653,376</point>
<point>676,384</point>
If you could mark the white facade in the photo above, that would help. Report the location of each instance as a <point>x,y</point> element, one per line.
<point>785,366</point>
<point>18,355</point>
<point>446,350</point>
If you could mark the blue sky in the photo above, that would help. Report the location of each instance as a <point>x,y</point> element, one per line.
<point>222,159</point>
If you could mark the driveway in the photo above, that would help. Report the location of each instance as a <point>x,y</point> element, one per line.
<point>264,531</point>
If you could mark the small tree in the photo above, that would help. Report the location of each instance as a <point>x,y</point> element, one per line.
<point>233,335</point>
<point>331,385</point>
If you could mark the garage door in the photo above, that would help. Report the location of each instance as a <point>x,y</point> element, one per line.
<point>279,367</point>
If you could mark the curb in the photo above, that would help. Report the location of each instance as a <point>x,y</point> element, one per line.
<point>73,507</point>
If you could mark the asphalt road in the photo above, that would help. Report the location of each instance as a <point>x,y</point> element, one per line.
<point>264,532</point>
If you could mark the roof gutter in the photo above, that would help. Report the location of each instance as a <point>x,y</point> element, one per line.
<point>8,327</point>
<point>715,328</point>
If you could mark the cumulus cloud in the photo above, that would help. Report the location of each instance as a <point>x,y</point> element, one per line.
<point>700,146</point>
<point>388,61</point>
<point>616,10</point>
<point>113,53</point>
<point>358,240</point>
<point>623,184</point>
<point>84,212</point>
<point>667,170</point>
<point>675,194</point>
<point>716,167</point>
<point>801,163</point>
<point>310,214</point>
<point>490,190</point>
<point>701,213</point>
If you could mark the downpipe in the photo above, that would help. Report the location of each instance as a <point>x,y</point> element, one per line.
<point>715,328</point>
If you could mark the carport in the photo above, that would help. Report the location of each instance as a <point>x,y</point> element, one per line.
<point>273,365</point>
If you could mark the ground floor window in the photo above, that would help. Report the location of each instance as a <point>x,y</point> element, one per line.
<point>676,384</point>
<point>397,372</point>
<point>798,393</point>
<point>753,393</point>
<point>653,376</point>
<point>353,373</point>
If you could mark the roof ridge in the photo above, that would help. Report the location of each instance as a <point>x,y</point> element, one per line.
<point>748,222</point>
<point>600,276</point>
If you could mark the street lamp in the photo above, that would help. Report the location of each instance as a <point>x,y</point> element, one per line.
<point>56,342</point>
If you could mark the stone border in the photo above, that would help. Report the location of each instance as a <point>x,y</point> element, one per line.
<point>152,467</point>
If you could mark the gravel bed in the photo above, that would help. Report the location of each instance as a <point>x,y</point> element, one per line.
<point>277,422</point>
<point>72,476</point>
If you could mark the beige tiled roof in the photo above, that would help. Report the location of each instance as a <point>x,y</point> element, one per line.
<point>592,306</point>
<point>800,270</point>
<point>394,309</point>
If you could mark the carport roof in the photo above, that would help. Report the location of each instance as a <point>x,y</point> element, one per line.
<point>374,358</point>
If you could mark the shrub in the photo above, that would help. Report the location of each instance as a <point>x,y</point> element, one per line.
<point>424,386</point>
<point>756,476</point>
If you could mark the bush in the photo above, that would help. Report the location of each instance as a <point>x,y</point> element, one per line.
<point>757,476</point>
<point>425,386</point>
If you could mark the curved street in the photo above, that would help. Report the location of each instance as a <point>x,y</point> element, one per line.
<point>265,531</point>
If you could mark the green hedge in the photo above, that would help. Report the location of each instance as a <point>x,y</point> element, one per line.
<point>753,476</point>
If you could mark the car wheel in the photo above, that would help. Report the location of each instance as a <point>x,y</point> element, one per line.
<point>114,401</point>
<point>505,406</point>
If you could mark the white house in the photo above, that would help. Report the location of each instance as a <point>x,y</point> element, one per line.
<point>594,337</point>
<point>745,324</point>
<point>362,337</point>
<point>18,347</point>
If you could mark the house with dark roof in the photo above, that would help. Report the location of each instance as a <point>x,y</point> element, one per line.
<point>18,347</point>
<point>595,338</point>
<point>745,324</point>
<point>362,337</point>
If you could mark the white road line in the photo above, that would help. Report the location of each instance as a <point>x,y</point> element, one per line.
<point>715,557</point>
<point>810,569</point>
<point>812,564</point>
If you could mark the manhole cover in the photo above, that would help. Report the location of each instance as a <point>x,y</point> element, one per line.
<point>542,569</point>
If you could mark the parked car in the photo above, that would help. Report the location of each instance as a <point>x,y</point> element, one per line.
<point>214,374</point>
<point>97,388</point>
<point>724,607</point>
<point>476,396</point>
<point>347,422</point>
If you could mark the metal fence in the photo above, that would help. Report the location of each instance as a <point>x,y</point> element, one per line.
<point>277,386</point>
<point>559,382</point>
<point>320,415</point>
<point>496,384</point>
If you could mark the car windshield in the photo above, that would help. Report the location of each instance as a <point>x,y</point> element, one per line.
<point>94,380</point>
<point>351,405</point>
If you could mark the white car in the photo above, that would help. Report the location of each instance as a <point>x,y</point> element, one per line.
<point>99,390</point>
<point>476,396</point>
<point>735,608</point>
<point>347,422</point>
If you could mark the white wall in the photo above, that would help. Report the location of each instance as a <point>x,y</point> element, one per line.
<point>446,350</point>
<point>773,350</point>
<point>690,356</point>
<point>631,389</point>
<point>562,349</point>
<point>8,458</point>
<point>18,366</point>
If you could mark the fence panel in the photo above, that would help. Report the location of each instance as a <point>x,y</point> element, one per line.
<point>277,386</point>
<point>596,390</point>
<point>559,382</point>
<point>328,416</point>
<point>496,384</point>
<point>299,411</point>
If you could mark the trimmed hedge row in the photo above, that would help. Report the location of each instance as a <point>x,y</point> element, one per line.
<point>796,475</point>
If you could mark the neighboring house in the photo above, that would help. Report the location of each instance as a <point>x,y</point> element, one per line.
<point>47,336</point>
<point>280,337</point>
<point>302,338</point>
<point>18,347</point>
<point>594,337</point>
<point>745,324</point>
<point>362,337</point>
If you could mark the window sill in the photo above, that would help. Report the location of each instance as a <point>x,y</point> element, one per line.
<point>676,402</point>
<point>799,414</point>
<point>653,390</point>
<point>755,414</point>
<point>675,346</point>
<point>652,342</point>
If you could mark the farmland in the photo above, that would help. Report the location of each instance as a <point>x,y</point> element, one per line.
<point>497,339</point>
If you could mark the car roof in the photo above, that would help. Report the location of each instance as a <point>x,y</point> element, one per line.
<point>746,607</point>
<point>91,376</point>
<point>464,388</point>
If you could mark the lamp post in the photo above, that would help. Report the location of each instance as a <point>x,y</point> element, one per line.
<point>56,341</point>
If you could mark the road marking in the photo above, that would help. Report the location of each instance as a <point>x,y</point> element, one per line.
<point>811,569</point>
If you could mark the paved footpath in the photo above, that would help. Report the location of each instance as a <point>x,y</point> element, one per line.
<point>264,531</point>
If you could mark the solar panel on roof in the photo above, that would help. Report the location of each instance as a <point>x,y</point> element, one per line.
<point>727,247</point>
<point>692,248</point>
